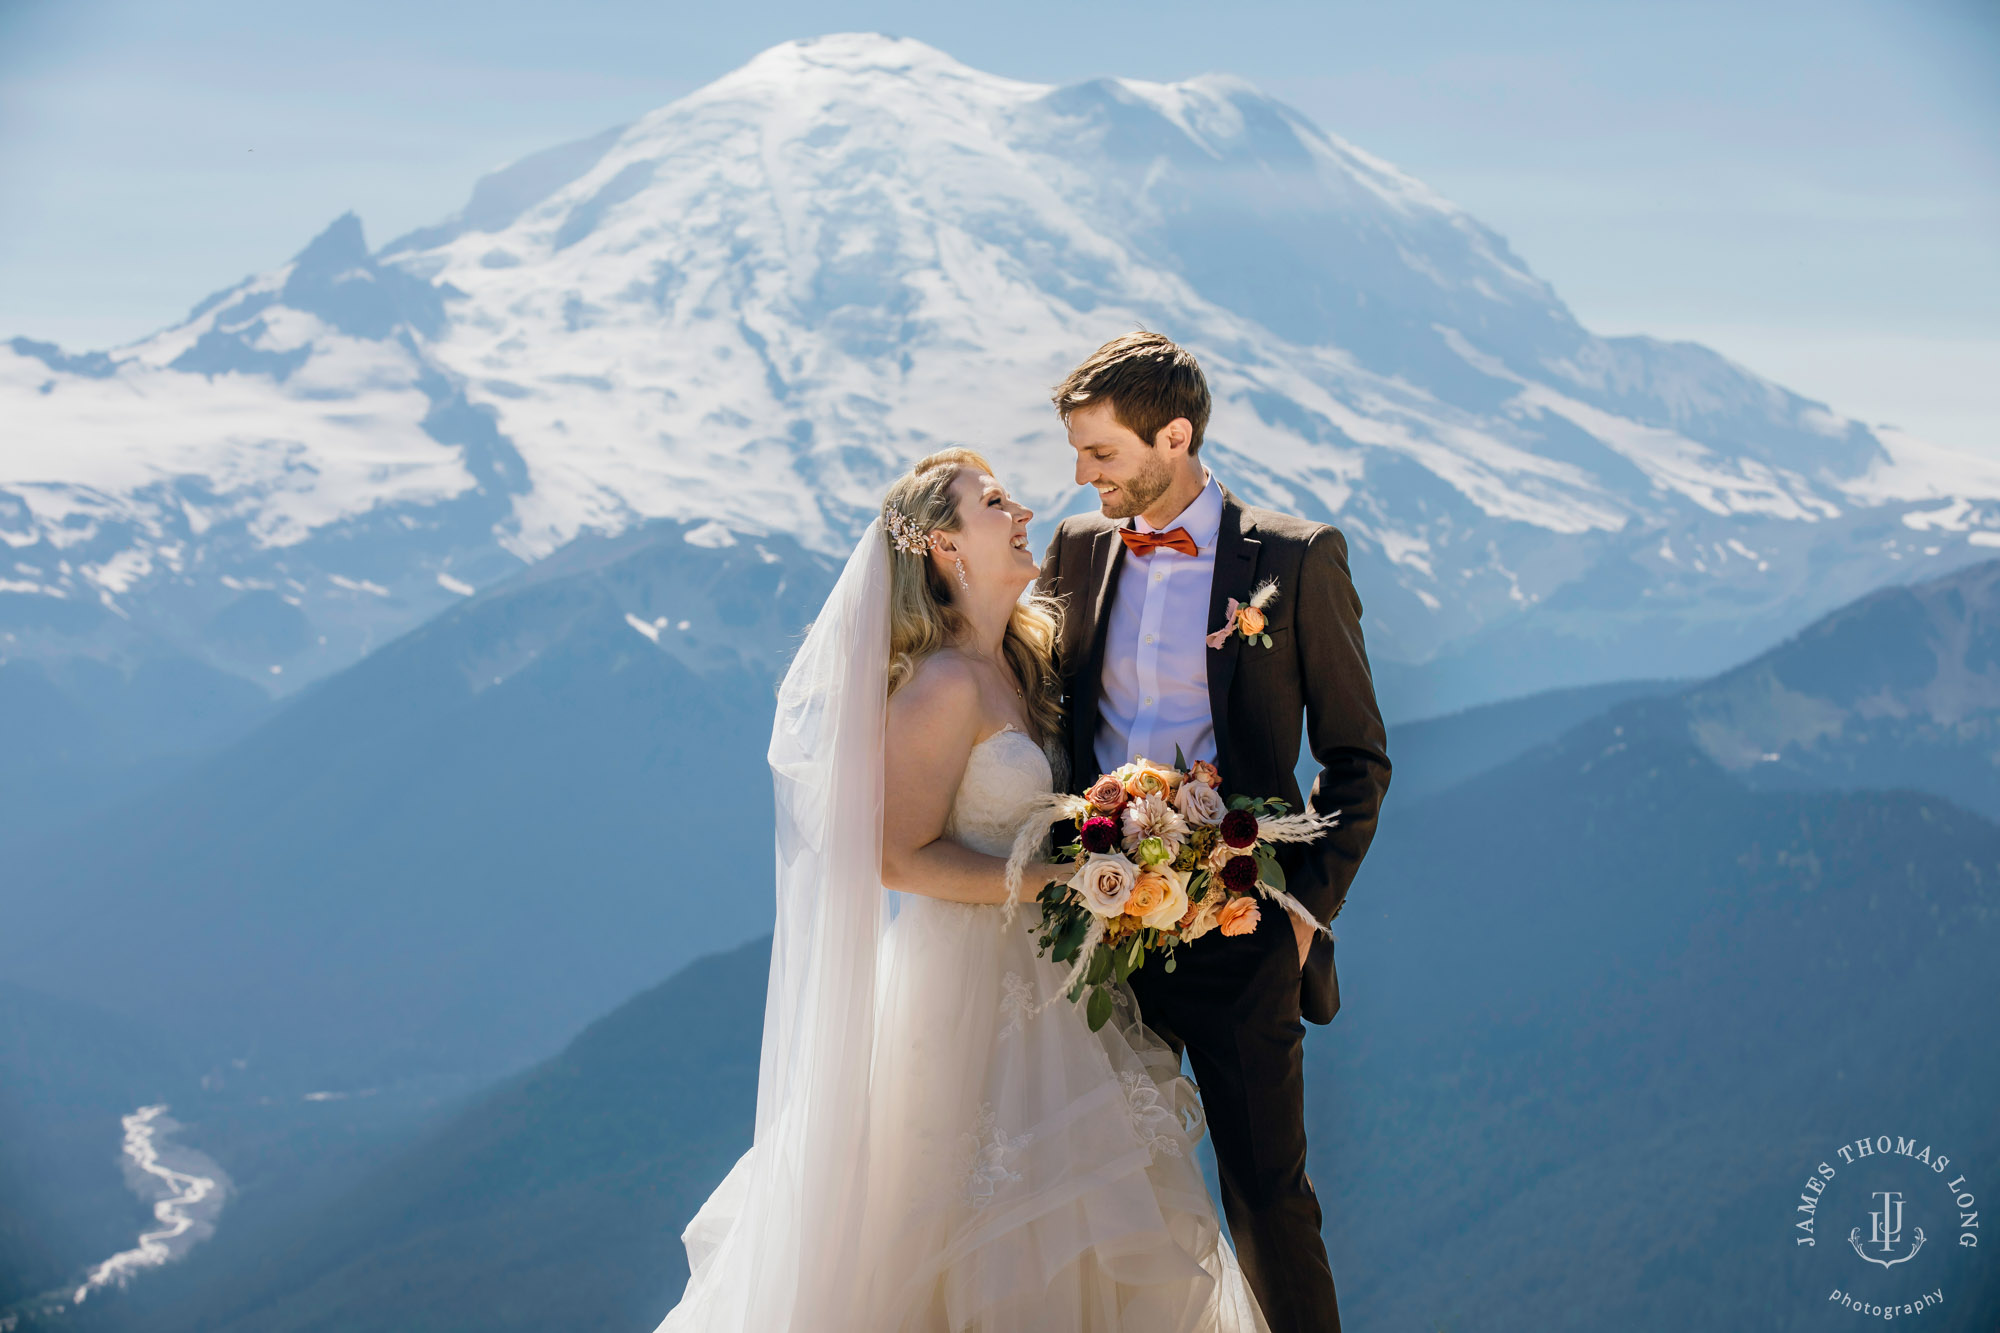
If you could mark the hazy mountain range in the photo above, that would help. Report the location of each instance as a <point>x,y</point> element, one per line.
<point>753,306</point>
<point>446,858</point>
<point>1899,689</point>
<point>1582,942</point>
<point>1605,1007</point>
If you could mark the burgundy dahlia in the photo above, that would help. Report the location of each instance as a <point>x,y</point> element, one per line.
<point>1239,874</point>
<point>1239,828</point>
<point>1099,835</point>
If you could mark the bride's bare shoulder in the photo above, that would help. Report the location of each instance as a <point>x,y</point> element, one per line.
<point>943,691</point>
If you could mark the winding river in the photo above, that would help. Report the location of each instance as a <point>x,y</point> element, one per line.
<point>188,1190</point>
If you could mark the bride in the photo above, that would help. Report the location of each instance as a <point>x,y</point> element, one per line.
<point>942,1143</point>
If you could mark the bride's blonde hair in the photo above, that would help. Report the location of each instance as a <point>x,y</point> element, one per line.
<point>923,615</point>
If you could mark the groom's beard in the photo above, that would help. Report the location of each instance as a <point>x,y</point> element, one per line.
<point>1136,493</point>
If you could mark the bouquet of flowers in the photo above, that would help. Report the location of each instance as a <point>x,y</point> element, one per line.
<point>1162,858</point>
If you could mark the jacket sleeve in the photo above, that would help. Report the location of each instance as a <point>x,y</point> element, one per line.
<point>1343,725</point>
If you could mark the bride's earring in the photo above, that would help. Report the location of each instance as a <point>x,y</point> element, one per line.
<point>958,561</point>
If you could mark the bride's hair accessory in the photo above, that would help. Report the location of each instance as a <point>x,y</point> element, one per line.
<point>904,533</point>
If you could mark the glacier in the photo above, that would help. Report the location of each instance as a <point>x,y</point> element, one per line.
<point>749,309</point>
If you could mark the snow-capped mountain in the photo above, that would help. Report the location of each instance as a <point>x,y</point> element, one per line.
<point>752,307</point>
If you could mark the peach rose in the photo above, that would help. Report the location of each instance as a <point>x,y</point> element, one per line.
<point>1251,621</point>
<point>1107,794</point>
<point>1159,899</point>
<point>1148,892</point>
<point>1151,779</point>
<point>1239,916</point>
<point>1205,773</point>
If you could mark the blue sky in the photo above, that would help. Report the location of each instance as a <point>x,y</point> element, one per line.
<point>1813,189</point>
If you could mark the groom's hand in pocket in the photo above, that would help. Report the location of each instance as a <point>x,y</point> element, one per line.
<point>1304,935</point>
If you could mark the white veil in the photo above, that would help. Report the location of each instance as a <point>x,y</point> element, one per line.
<point>775,1246</point>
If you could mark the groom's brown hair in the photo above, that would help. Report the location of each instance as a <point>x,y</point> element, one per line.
<point>1148,379</point>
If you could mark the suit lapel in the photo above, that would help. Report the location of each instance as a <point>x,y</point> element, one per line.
<point>1107,561</point>
<point>1235,574</point>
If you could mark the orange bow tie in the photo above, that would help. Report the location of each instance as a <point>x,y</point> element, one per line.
<point>1145,543</point>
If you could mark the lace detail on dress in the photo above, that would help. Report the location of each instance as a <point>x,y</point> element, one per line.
<point>985,1153</point>
<point>1004,775</point>
<point>1152,1119</point>
<point>1017,1003</point>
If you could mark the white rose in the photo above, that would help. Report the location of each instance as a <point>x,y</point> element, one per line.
<point>1169,913</point>
<point>1220,855</point>
<point>1200,804</point>
<point>1104,880</point>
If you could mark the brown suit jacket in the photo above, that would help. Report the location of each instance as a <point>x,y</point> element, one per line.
<point>1315,672</point>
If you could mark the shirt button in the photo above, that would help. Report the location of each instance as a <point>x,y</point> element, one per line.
<point>1158,575</point>
<point>1149,638</point>
<point>1149,698</point>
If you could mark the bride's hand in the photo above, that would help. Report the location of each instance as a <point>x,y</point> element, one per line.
<point>1040,874</point>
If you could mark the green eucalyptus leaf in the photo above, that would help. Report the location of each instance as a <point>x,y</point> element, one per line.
<point>1099,1012</point>
<point>1070,939</point>
<point>1131,957</point>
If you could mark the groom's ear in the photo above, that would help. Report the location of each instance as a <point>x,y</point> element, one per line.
<point>1175,436</point>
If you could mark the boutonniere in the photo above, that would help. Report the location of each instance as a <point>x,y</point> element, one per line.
<point>1247,618</point>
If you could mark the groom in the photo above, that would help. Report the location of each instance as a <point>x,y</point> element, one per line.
<point>1142,588</point>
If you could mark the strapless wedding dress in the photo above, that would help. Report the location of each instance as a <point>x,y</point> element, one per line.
<point>1026,1174</point>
